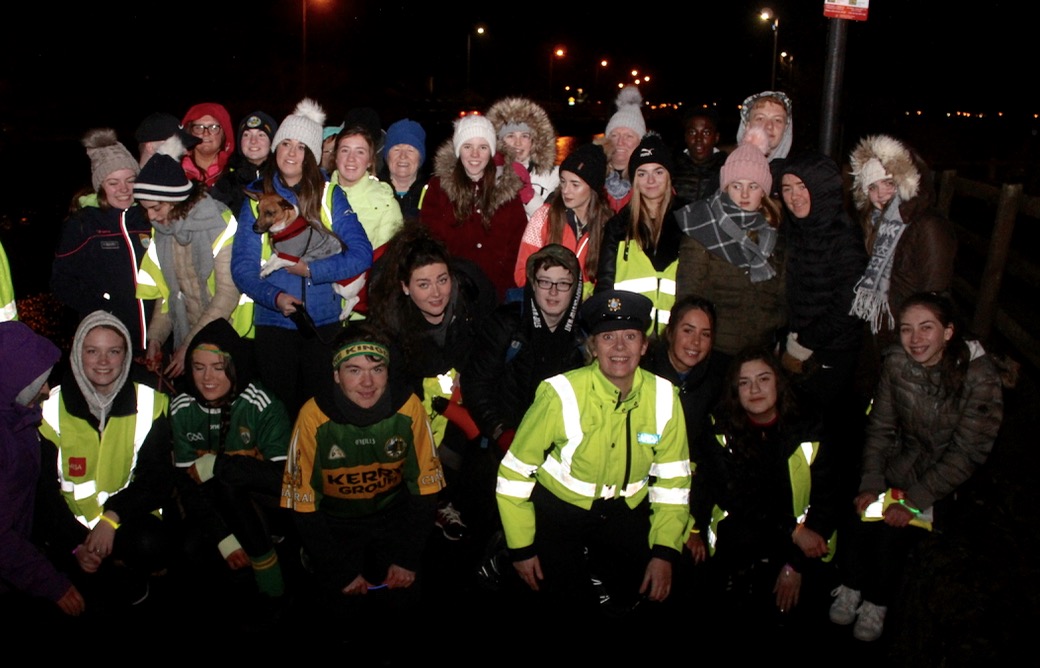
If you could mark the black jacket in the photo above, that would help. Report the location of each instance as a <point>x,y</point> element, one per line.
<point>512,353</point>
<point>825,259</point>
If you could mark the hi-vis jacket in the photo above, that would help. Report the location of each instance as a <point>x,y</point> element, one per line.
<point>582,444</point>
<point>152,285</point>
<point>625,265</point>
<point>799,469</point>
<point>94,469</point>
<point>8,307</point>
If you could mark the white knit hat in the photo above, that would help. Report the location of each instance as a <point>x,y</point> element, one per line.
<point>468,127</point>
<point>305,125</point>
<point>629,112</point>
<point>871,172</point>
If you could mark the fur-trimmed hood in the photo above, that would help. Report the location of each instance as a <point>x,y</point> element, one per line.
<point>507,183</point>
<point>516,110</point>
<point>903,164</point>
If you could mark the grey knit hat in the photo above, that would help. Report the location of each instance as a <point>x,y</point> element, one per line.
<point>106,155</point>
<point>629,112</point>
<point>304,125</point>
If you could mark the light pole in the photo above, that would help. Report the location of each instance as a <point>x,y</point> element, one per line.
<point>480,30</point>
<point>769,16</point>
<point>303,46</point>
<point>557,52</point>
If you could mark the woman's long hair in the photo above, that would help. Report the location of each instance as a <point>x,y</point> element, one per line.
<point>596,217</point>
<point>953,365</point>
<point>684,306</point>
<point>486,187</point>
<point>644,225</point>
<point>392,310</point>
<point>736,421</point>
<point>180,210</point>
<point>308,191</point>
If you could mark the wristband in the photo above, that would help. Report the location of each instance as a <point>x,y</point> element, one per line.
<point>109,520</point>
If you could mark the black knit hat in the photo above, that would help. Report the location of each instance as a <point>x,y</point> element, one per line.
<point>162,179</point>
<point>651,149</point>
<point>589,162</point>
<point>258,120</point>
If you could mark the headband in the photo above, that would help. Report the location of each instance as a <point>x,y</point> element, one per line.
<point>355,348</point>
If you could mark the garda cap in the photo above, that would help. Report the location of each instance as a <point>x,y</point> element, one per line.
<point>612,310</point>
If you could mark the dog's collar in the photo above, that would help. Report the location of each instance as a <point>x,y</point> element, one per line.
<point>291,230</point>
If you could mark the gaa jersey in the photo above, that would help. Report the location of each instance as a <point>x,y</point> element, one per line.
<point>351,471</point>
<point>258,426</point>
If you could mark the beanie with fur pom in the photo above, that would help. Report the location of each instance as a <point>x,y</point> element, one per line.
<point>629,112</point>
<point>304,125</point>
<point>106,155</point>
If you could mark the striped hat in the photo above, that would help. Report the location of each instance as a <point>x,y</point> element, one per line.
<point>162,178</point>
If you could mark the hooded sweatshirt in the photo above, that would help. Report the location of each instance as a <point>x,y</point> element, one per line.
<point>26,358</point>
<point>213,172</point>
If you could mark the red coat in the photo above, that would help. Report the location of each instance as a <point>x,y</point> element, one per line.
<point>494,249</point>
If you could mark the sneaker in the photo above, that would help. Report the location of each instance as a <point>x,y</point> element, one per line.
<point>870,621</point>
<point>846,601</point>
<point>450,521</point>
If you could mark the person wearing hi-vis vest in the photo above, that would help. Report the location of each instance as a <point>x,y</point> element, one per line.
<point>296,310</point>
<point>766,502</point>
<point>114,464</point>
<point>188,263</point>
<point>597,479</point>
<point>640,247</point>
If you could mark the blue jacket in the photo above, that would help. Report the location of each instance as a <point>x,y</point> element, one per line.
<point>322,302</point>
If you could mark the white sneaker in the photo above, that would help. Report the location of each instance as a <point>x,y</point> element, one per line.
<point>870,621</point>
<point>843,610</point>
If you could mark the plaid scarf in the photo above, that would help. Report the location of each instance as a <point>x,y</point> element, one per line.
<point>871,300</point>
<point>742,238</point>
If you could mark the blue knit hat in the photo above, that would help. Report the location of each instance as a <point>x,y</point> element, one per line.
<point>408,132</point>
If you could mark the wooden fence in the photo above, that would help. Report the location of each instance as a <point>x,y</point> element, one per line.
<point>1010,205</point>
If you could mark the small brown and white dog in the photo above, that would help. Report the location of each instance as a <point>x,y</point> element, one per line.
<point>294,238</point>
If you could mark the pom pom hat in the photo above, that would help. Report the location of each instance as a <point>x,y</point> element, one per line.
<point>304,125</point>
<point>748,161</point>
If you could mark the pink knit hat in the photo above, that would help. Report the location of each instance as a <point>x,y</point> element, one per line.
<point>748,161</point>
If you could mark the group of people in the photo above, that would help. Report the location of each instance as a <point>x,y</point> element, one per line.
<point>648,372</point>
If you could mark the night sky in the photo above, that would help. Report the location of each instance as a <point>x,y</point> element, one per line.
<point>64,70</point>
<point>79,66</point>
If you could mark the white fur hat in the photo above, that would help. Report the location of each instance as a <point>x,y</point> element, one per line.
<point>305,125</point>
<point>469,127</point>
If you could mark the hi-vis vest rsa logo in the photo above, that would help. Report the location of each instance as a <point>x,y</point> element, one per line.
<point>77,467</point>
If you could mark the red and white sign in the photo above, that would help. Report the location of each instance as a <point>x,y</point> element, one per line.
<point>855,10</point>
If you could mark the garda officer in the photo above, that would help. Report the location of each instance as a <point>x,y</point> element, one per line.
<point>600,465</point>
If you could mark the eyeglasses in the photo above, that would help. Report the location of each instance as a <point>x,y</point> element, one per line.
<point>199,129</point>
<point>547,285</point>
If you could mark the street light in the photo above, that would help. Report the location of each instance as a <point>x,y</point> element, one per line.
<point>769,16</point>
<point>480,30</point>
<point>557,53</point>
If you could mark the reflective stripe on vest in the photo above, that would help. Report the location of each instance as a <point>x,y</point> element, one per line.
<point>560,469</point>
<point>87,489</point>
<point>636,273</point>
<point>799,467</point>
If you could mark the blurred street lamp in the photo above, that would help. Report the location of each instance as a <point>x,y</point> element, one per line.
<point>479,29</point>
<point>771,18</point>
<point>558,53</point>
